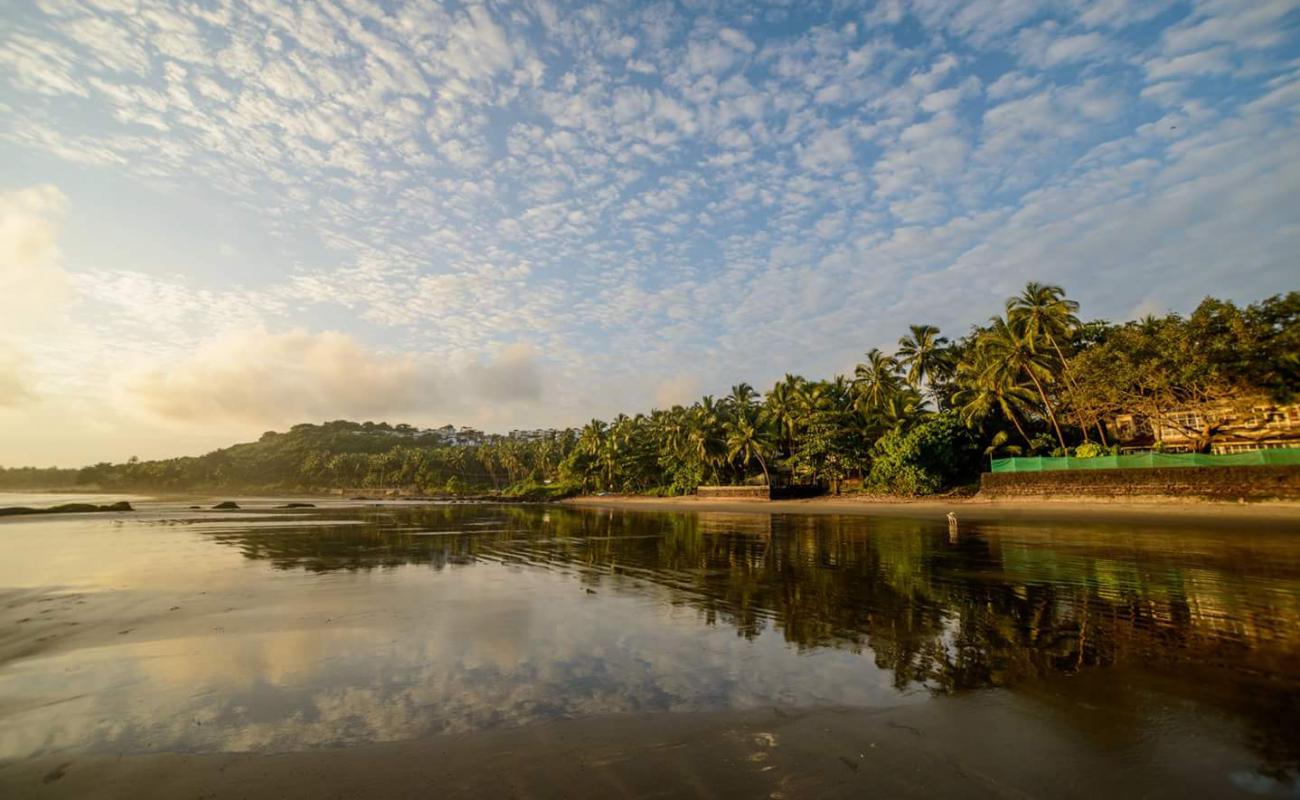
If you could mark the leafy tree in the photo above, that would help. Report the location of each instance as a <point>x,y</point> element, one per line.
<point>934,455</point>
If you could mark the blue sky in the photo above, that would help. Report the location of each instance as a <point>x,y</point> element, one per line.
<point>222,217</point>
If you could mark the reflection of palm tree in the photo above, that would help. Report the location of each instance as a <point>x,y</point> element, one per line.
<point>978,612</point>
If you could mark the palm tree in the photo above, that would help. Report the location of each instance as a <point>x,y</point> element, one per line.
<point>999,442</point>
<point>920,353</point>
<point>898,411</point>
<point>1044,313</point>
<point>1009,356</point>
<point>747,438</point>
<point>742,396</point>
<point>706,438</point>
<point>983,392</point>
<point>875,380</point>
<point>592,438</point>
<point>783,409</point>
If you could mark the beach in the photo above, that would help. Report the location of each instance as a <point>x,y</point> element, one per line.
<point>1147,510</point>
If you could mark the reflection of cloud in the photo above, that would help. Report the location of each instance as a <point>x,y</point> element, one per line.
<point>410,654</point>
<point>413,635</point>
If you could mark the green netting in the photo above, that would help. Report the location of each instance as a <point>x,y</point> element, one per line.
<point>1289,455</point>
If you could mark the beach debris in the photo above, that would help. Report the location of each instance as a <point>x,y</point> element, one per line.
<point>225,505</point>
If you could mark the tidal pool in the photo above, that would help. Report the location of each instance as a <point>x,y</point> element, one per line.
<point>1147,658</point>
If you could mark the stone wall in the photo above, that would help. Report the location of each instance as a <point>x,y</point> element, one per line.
<point>1206,483</point>
<point>733,492</point>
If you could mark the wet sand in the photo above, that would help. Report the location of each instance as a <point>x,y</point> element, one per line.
<point>541,652</point>
<point>1179,511</point>
<point>969,747</point>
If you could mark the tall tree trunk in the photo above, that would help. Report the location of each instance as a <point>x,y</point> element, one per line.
<point>1070,388</point>
<point>1016,421</point>
<point>1047,405</point>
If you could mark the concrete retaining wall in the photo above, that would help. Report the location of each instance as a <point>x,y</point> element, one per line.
<point>1207,483</point>
<point>733,492</point>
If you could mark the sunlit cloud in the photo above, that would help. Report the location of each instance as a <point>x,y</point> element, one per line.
<point>260,377</point>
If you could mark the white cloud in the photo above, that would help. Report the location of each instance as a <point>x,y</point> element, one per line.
<point>1254,25</point>
<point>270,378</point>
<point>32,284</point>
<point>680,389</point>
<point>274,378</point>
<point>1046,47</point>
<point>14,383</point>
<point>826,149</point>
<point>1216,60</point>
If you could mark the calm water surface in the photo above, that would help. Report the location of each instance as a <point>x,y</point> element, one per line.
<point>270,630</point>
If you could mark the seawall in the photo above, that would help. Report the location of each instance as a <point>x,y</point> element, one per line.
<point>1203,483</point>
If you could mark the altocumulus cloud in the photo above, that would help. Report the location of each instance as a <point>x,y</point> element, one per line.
<point>270,378</point>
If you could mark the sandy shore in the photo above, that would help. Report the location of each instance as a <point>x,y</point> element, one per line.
<point>1148,510</point>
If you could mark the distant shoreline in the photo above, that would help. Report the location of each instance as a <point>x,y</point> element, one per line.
<point>974,508</point>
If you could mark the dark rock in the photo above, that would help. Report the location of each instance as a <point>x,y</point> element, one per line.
<point>225,505</point>
<point>66,508</point>
<point>297,505</point>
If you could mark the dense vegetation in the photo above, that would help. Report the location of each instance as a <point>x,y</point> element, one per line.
<point>1033,380</point>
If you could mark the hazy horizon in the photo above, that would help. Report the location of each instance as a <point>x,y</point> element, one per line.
<point>220,220</point>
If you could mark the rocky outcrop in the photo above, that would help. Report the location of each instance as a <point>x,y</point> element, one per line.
<point>66,508</point>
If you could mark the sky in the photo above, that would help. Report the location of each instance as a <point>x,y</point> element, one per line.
<point>221,217</point>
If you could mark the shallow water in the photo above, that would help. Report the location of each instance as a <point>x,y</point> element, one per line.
<point>267,630</point>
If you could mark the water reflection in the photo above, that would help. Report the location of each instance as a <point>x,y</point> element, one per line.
<point>404,621</point>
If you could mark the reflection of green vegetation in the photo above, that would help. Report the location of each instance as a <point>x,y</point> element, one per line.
<point>982,611</point>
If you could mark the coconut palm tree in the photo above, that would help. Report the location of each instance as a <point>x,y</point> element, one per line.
<point>920,353</point>
<point>707,443</point>
<point>1044,314</point>
<point>742,396</point>
<point>1010,356</point>
<point>982,395</point>
<point>898,411</point>
<point>875,380</point>
<point>748,439</point>
<point>782,407</point>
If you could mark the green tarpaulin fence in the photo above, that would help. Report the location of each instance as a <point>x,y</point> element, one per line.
<point>1289,455</point>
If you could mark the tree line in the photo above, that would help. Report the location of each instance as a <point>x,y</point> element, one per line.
<point>1033,380</point>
